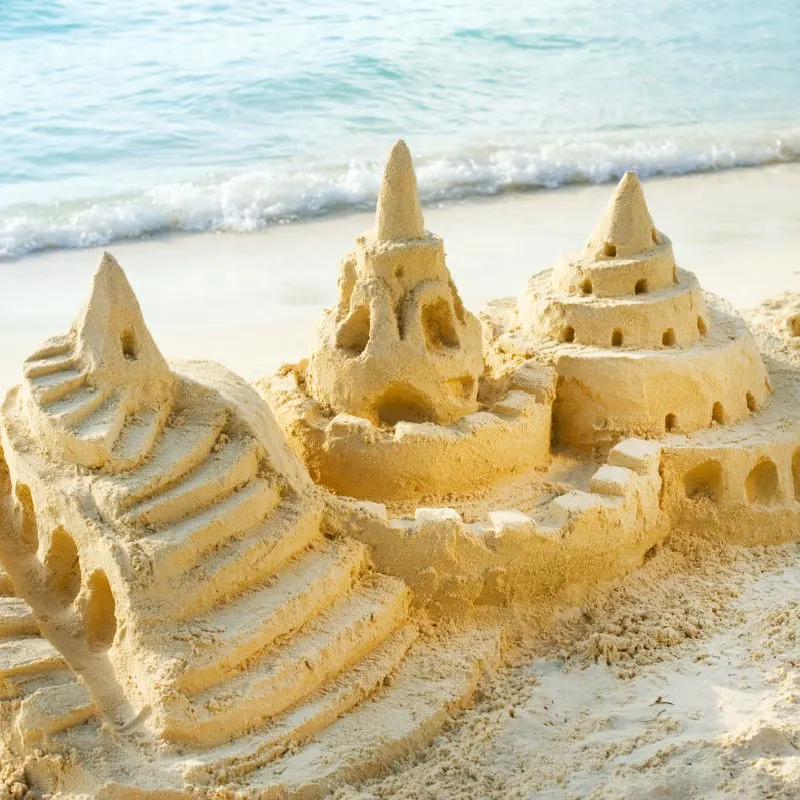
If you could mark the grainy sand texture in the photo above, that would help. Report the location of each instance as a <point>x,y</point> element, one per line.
<point>511,510</point>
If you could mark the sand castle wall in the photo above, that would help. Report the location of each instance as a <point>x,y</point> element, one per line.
<point>744,481</point>
<point>579,538</point>
<point>351,456</point>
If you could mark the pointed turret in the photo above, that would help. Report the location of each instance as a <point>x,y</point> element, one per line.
<point>626,228</point>
<point>111,332</point>
<point>84,388</point>
<point>399,213</point>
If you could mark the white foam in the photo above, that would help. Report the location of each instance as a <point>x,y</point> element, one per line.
<point>257,198</point>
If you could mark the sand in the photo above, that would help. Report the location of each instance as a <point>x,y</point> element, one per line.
<point>679,679</point>
<point>681,682</point>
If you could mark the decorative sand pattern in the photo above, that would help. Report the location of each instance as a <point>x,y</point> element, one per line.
<point>199,598</point>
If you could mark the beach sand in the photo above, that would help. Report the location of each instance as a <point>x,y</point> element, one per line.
<point>682,680</point>
<point>213,296</point>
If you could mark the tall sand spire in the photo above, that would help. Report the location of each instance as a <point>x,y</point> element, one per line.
<point>399,213</point>
<point>626,228</point>
<point>111,329</point>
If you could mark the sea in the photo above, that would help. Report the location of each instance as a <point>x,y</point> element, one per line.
<point>131,119</point>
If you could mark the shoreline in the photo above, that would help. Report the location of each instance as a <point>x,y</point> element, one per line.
<point>249,300</point>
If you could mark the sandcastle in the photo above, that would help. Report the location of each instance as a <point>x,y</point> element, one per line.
<point>396,392</point>
<point>197,596</point>
<point>171,550</point>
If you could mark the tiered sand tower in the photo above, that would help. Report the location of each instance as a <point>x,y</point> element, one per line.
<point>639,348</point>
<point>170,547</point>
<point>394,400</point>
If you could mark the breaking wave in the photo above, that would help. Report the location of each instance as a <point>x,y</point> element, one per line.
<point>257,198</point>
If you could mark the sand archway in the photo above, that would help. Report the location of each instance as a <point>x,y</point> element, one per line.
<point>100,615</point>
<point>762,484</point>
<point>704,481</point>
<point>62,564</point>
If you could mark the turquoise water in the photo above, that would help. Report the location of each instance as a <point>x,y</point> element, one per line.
<point>120,120</point>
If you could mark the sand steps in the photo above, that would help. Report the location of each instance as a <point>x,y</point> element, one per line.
<point>54,346</point>
<point>339,637</point>
<point>138,436</point>
<point>433,682</point>
<point>103,423</point>
<point>228,469</point>
<point>16,618</point>
<point>23,655</point>
<point>177,547</point>
<point>307,718</point>
<point>245,627</point>
<point>48,389</point>
<point>51,709</point>
<point>179,450</point>
<point>247,560</point>
<point>74,408</point>
<point>49,365</point>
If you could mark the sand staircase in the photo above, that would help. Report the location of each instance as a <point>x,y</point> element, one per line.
<point>94,418</point>
<point>250,608</point>
<point>39,694</point>
<point>184,572</point>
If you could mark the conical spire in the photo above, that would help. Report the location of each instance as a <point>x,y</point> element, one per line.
<point>399,213</point>
<point>626,228</point>
<point>111,329</point>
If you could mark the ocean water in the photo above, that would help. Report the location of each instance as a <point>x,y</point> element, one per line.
<point>122,120</point>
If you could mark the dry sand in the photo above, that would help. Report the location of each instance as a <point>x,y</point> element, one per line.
<point>683,680</point>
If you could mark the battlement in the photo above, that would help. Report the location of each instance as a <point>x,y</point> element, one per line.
<point>574,539</point>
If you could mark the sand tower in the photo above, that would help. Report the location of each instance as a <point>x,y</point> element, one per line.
<point>81,390</point>
<point>170,549</point>
<point>395,393</point>
<point>400,346</point>
<point>639,348</point>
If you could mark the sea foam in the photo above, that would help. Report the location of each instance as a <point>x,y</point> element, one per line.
<point>256,198</point>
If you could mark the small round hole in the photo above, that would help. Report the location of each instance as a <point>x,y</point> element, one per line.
<point>610,250</point>
<point>399,272</point>
<point>586,286</point>
<point>567,334</point>
<point>718,413</point>
<point>616,338</point>
<point>751,402</point>
<point>668,338</point>
<point>702,329</point>
<point>670,423</point>
<point>641,286</point>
